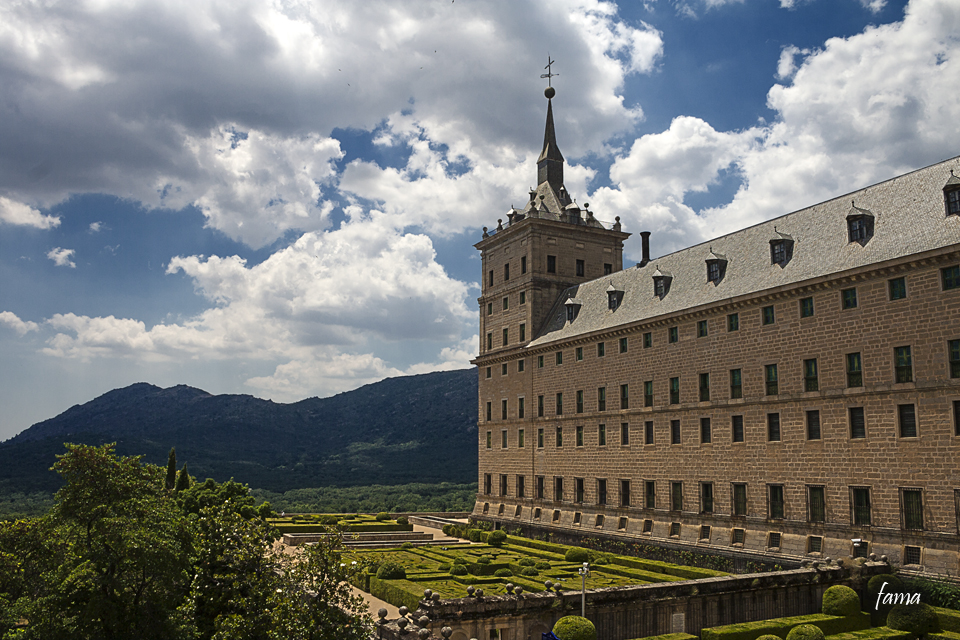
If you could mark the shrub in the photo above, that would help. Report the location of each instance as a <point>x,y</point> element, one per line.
<point>577,554</point>
<point>391,571</point>
<point>459,560</point>
<point>484,536</point>
<point>458,570</point>
<point>383,515</point>
<point>529,572</point>
<point>574,628</point>
<point>497,538</point>
<point>526,562</point>
<point>542,566</point>
<point>483,560</point>
<point>474,535</point>
<point>407,545</point>
<point>403,520</point>
<point>919,619</point>
<point>447,529</point>
<point>805,632</point>
<point>503,573</point>
<point>839,600</point>
<point>890,584</point>
<point>769,636</point>
<point>329,520</point>
<point>444,566</point>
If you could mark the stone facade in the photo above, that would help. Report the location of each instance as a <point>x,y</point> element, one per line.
<point>791,388</point>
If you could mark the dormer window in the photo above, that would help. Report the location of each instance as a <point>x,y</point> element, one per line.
<point>716,267</point>
<point>781,248</point>
<point>573,309</point>
<point>860,225</point>
<point>661,283</point>
<point>951,195</point>
<point>614,297</point>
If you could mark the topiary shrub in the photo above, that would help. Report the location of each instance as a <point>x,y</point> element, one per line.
<point>529,572</point>
<point>483,560</point>
<point>497,538</point>
<point>839,600</point>
<point>447,529</point>
<point>444,566</point>
<point>919,619</point>
<point>879,611</point>
<point>329,520</point>
<point>391,571</point>
<point>542,566</point>
<point>769,636</point>
<point>458,570</point>
<point>484,536</point>
<point>526,562</point>
<point>577,554</point>
<point>805,632</point>
<point>459,560</point>
<point>574,628</point>
<point>383,515</point>
<point>474,535</point>
<point>503,573</point>
<point>403,520</point>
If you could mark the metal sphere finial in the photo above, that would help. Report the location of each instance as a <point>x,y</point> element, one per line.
<point>549,92</point>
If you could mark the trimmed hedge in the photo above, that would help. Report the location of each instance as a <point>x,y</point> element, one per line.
<point>840,600</point>
<point>399,593</point>
<point>805,632</point>
<point>876,633</point>
<point>670,636</point>
<point>780,627</point>
<point>919,619</point>
<point>949,619</point>
<point>574,628</point>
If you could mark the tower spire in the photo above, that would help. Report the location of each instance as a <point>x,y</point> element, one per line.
<point>550,162</point>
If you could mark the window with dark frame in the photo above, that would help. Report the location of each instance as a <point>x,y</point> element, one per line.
<point>506,271</point>
<point>811,380</point>
<point>624,494</point>
<point>623,345</point>
<point>736,428</point>
<point>490,341</point>
<point>897,288</point>
<point>521,488</point>
<point>602,435</point>
<point>558,356</point>
<point>956,417</point>
<point>503,439</point>
<point>854,370</point>
<point>503,409</point>
<point>648,393</point>
<point>503,484</point>
<point>558,489</point>
<point>778,252</point>
<point>650,494</point>
<point>624,433</point>
<point>580,401</point>
<point>601,491</point>
<point>579,432</point>
<point>806,307</point>
<point>489,372</point>
<point>503,369</point>
<point>520,442</point>
<point>648,432</point>
<point>490,278</point>
<point>706,435</point>
<point>773,427</point>
<point>858,426</point>
<point>506,333</point>
<point>950,277</point>
<point>739,499</point>
<point>540,437</point>
<point>523,297</point>
<point>581,269</point>
<point>523,332</point>
<point>607,268</point>
<point>816,504</point>
<point>487,483</point>
<point>706,497</point>
<point>911,509</point>
<point>520,364</point>
<point>559,406</point>
<point>489,412</point>
<point>673,335</point>
<point>602,399</point>
<point>771,379</point>
<point>704,387</point>
<point>676,496</point>
<point>859,228</point>
<point>523,264</point>
<point>903,364</point>
<point>733,322</point>
<point>860,505</point>
<point>578,489</point>
<point>951,199</point>
<point>647,340</point>
<point>489,439</point>
<point>559,433</point>
<point>907,420</point>
<point>539,362</point>
<point>775,501</point>
<point>813,424</point>
<point>540,492</point>
<point>674,432</point>
<point>767,315</point>
<point>551,264</point>
<point>702,329</point>
<point>489,308</point>
<point>601,349</point>
<point>624,396</point>
<point>953,357</point>
<point>848,298</point>
<point>736,384</point>
<point>713,271</point>
<point>675,390</point>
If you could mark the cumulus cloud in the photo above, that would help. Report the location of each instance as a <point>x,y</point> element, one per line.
<point>787,66</point>
<point>95,227</point>
<point>22,327</point>
<point>62,257</point>
<point>13,212</point>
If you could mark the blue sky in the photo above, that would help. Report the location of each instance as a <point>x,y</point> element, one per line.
<point>281,198</point>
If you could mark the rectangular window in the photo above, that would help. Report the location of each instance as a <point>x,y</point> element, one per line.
<point>601,491</point>
<point>739,499</point>
<point>676,496</point>
<point>702,329</point>
<point>903,364</point>
<point>898,288</point>
<point>551,264</point>
<point>505,335</point>
<point>772,381</point>
<point>523,264</point>
<point>523,297</point>
<point>558,489</point>
<point>578,354</point>
<point>559,357</point>
<point>813,424</point>
<point>650,494</point>
<point>706,497</point>
<point>811,381</point>
<point>773,427</point>
<point>489,308</point>
<point>767,315</point>
<point>580,401</point>
<point>579,436</point>
<point>602,399</point>
<point>523,332</point>
<point>623,345</point>
<point>956,417</point>
<point>816,504</point>
<point>489,411</point>
<point>648,393</point>
<point>506,303</point>
<point>503,439</point>
<point>674,390</point>
<point>673,334</point>
<point>737,428</point>
<point>540,490</point>
<point>854,370</point>
<point>506,271</point>
<point>520,365</point>
<point>602,435</point>
<point>704,387</point>
<point>490,341</point>
<point>736,384</point>
<point>907,417</point>
<point>540,437</point>
<point>648,432</point>
<point>625,433</point>
<point>733,322</point>
<point>559,437</point>
<point>487,483</point>
<point>860,504</point>
<point>503,369</point>
<point>489,439</point>
<point>624,494</point>
<point>706,436</point>
<point>806,307</point>
<point>520,442</point>
<point>647,340</point>
<point>489,372</point>
<point>848,298</point>
<point>674,432</point>
<point>950,277</point>
<point>858,427</point>
<point>607,268</point>
<point>490,278</point>
<point>775,498</point>
<point>581,268</point>
<point>624,396</point>
<point>911,507</point>
<point>601,349</point>
<point>539,406</point>
<point>559,404</point>
<point>953,356</point>
<point>521,489</point>
<point>503,484</point>
<point>503,409</point>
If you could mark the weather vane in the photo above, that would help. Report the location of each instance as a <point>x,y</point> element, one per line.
<point>549,74</point>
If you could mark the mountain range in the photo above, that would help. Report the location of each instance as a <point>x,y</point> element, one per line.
<point>419,428</point>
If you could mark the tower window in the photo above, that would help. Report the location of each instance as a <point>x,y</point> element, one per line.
<point>772,380</point>
<point>490,278</point>
<point>903,364</point>
<point>806,308</point>
<point>523,264</point>
<point>581,268</point>
<point>898,288</point>
<point>607,268</point>
<point>848,298</point>
<point>551,264</point>
<point>768,315</point>
<point>733,322</point>
<point>506,271</point>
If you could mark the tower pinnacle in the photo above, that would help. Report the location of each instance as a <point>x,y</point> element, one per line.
<point>550,162</point>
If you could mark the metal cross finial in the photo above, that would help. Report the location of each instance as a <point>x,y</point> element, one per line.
<point>549,74</point>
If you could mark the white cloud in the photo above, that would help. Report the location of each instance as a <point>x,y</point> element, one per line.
<point>787,65</point>
<point>62,257</point>
<point>95,227</point>
<point>13,212</point>
<point>876,6</point>
<point>22,327</point>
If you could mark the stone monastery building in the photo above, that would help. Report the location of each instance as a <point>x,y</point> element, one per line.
<point>790,390</point>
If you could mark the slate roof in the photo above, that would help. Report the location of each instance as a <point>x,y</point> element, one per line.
<point>909,218</point>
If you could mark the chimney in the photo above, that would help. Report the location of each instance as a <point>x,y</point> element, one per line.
<point>645,239</point>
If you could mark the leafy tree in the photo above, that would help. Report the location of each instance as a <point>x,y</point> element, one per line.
<point>172,469</point>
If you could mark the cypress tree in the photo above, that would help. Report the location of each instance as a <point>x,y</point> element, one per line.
<point>183,480</point>
<point>172,469</point>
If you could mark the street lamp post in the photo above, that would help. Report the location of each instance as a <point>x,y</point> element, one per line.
<point>584,571</point>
